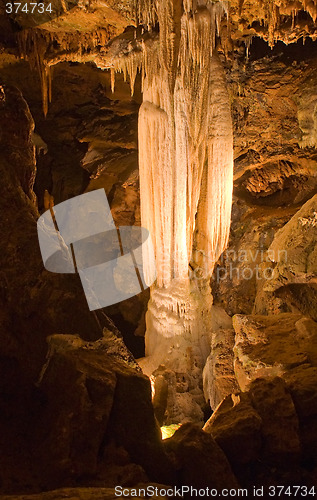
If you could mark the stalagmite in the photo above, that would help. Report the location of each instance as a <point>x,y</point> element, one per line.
<point>186,165</point>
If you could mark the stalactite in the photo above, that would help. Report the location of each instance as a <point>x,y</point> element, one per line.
<point>129,64</point>
<point>271,12</point>
<point>46,85</point>
<point>214,212</point>
<point>113,79</point>
<point>248,43</point>
<point>241,2</point>
<point>175,106</point>
<point>35,46</point>
<point>186,164</point>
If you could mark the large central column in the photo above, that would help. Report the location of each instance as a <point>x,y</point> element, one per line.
<point>186,168</point>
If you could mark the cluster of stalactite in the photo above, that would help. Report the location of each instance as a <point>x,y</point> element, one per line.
<point>290,8</point>
<point>129,65</point>
<point>178,74</point>
<point>272,17</point>
<point>263,18</point>
<point>33,46</point>
<point>185,156</point>
<point>38,45</point>
<point>269,13</point>
<point>44,48</point>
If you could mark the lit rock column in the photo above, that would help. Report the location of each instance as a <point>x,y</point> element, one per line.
<point>186,177</point>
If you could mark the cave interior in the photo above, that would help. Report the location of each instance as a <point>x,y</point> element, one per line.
<point>196,122</point>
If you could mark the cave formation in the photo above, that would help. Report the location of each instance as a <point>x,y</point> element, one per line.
<point>186,181</point>
<point>198,119</point>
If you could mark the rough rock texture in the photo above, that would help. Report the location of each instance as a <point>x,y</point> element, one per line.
<point>177,397</point>
<point>235,426</point>
<point>271,168</point>
<point>219,379</point>
<point>272,345</point>
<point>280,426</point>
<point>94,394</point>
<point>264,435</point>
<point>273,102</point>
<point>35,303</point>
<point>302,383</point>
<point>245,267</point>
<point>89,134</point>
<point>295,248</point>
<point>198,460</point>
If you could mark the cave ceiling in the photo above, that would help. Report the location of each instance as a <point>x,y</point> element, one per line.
<point>87,30</point>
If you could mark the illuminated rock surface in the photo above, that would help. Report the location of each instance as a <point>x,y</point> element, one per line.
<point>186,168</point>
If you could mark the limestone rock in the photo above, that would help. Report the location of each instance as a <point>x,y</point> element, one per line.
<point>280,426</point>
<point>282,182</point>
<point>267,346</point>
<point>39,303</point>
<point>200,462</point>
<point>160,396</point>
<point>273,102</point>
<point>236,427</point>
<point>307,337</point>
<point>296,246</point>
<point>307,115</point>
<point>299,297</point>
<point>111,159</point>
<point>218,376</point>
<point>94,396</point>
<point>259,424</point>
<point>245,267</point>
<point>34,305</point>
<point>302,384</point>
<point>178,398</point>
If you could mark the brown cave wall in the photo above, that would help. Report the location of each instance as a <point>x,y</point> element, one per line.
<point>87,141</point>
<point>71,395</point>
<point>273,102</point>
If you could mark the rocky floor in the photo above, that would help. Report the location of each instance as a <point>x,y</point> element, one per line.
<point>77,494</point>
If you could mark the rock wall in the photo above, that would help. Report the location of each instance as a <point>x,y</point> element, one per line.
<point>68,417</point>
<point>275,174</point>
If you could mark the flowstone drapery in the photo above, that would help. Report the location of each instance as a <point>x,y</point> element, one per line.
<point>186,168</point>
